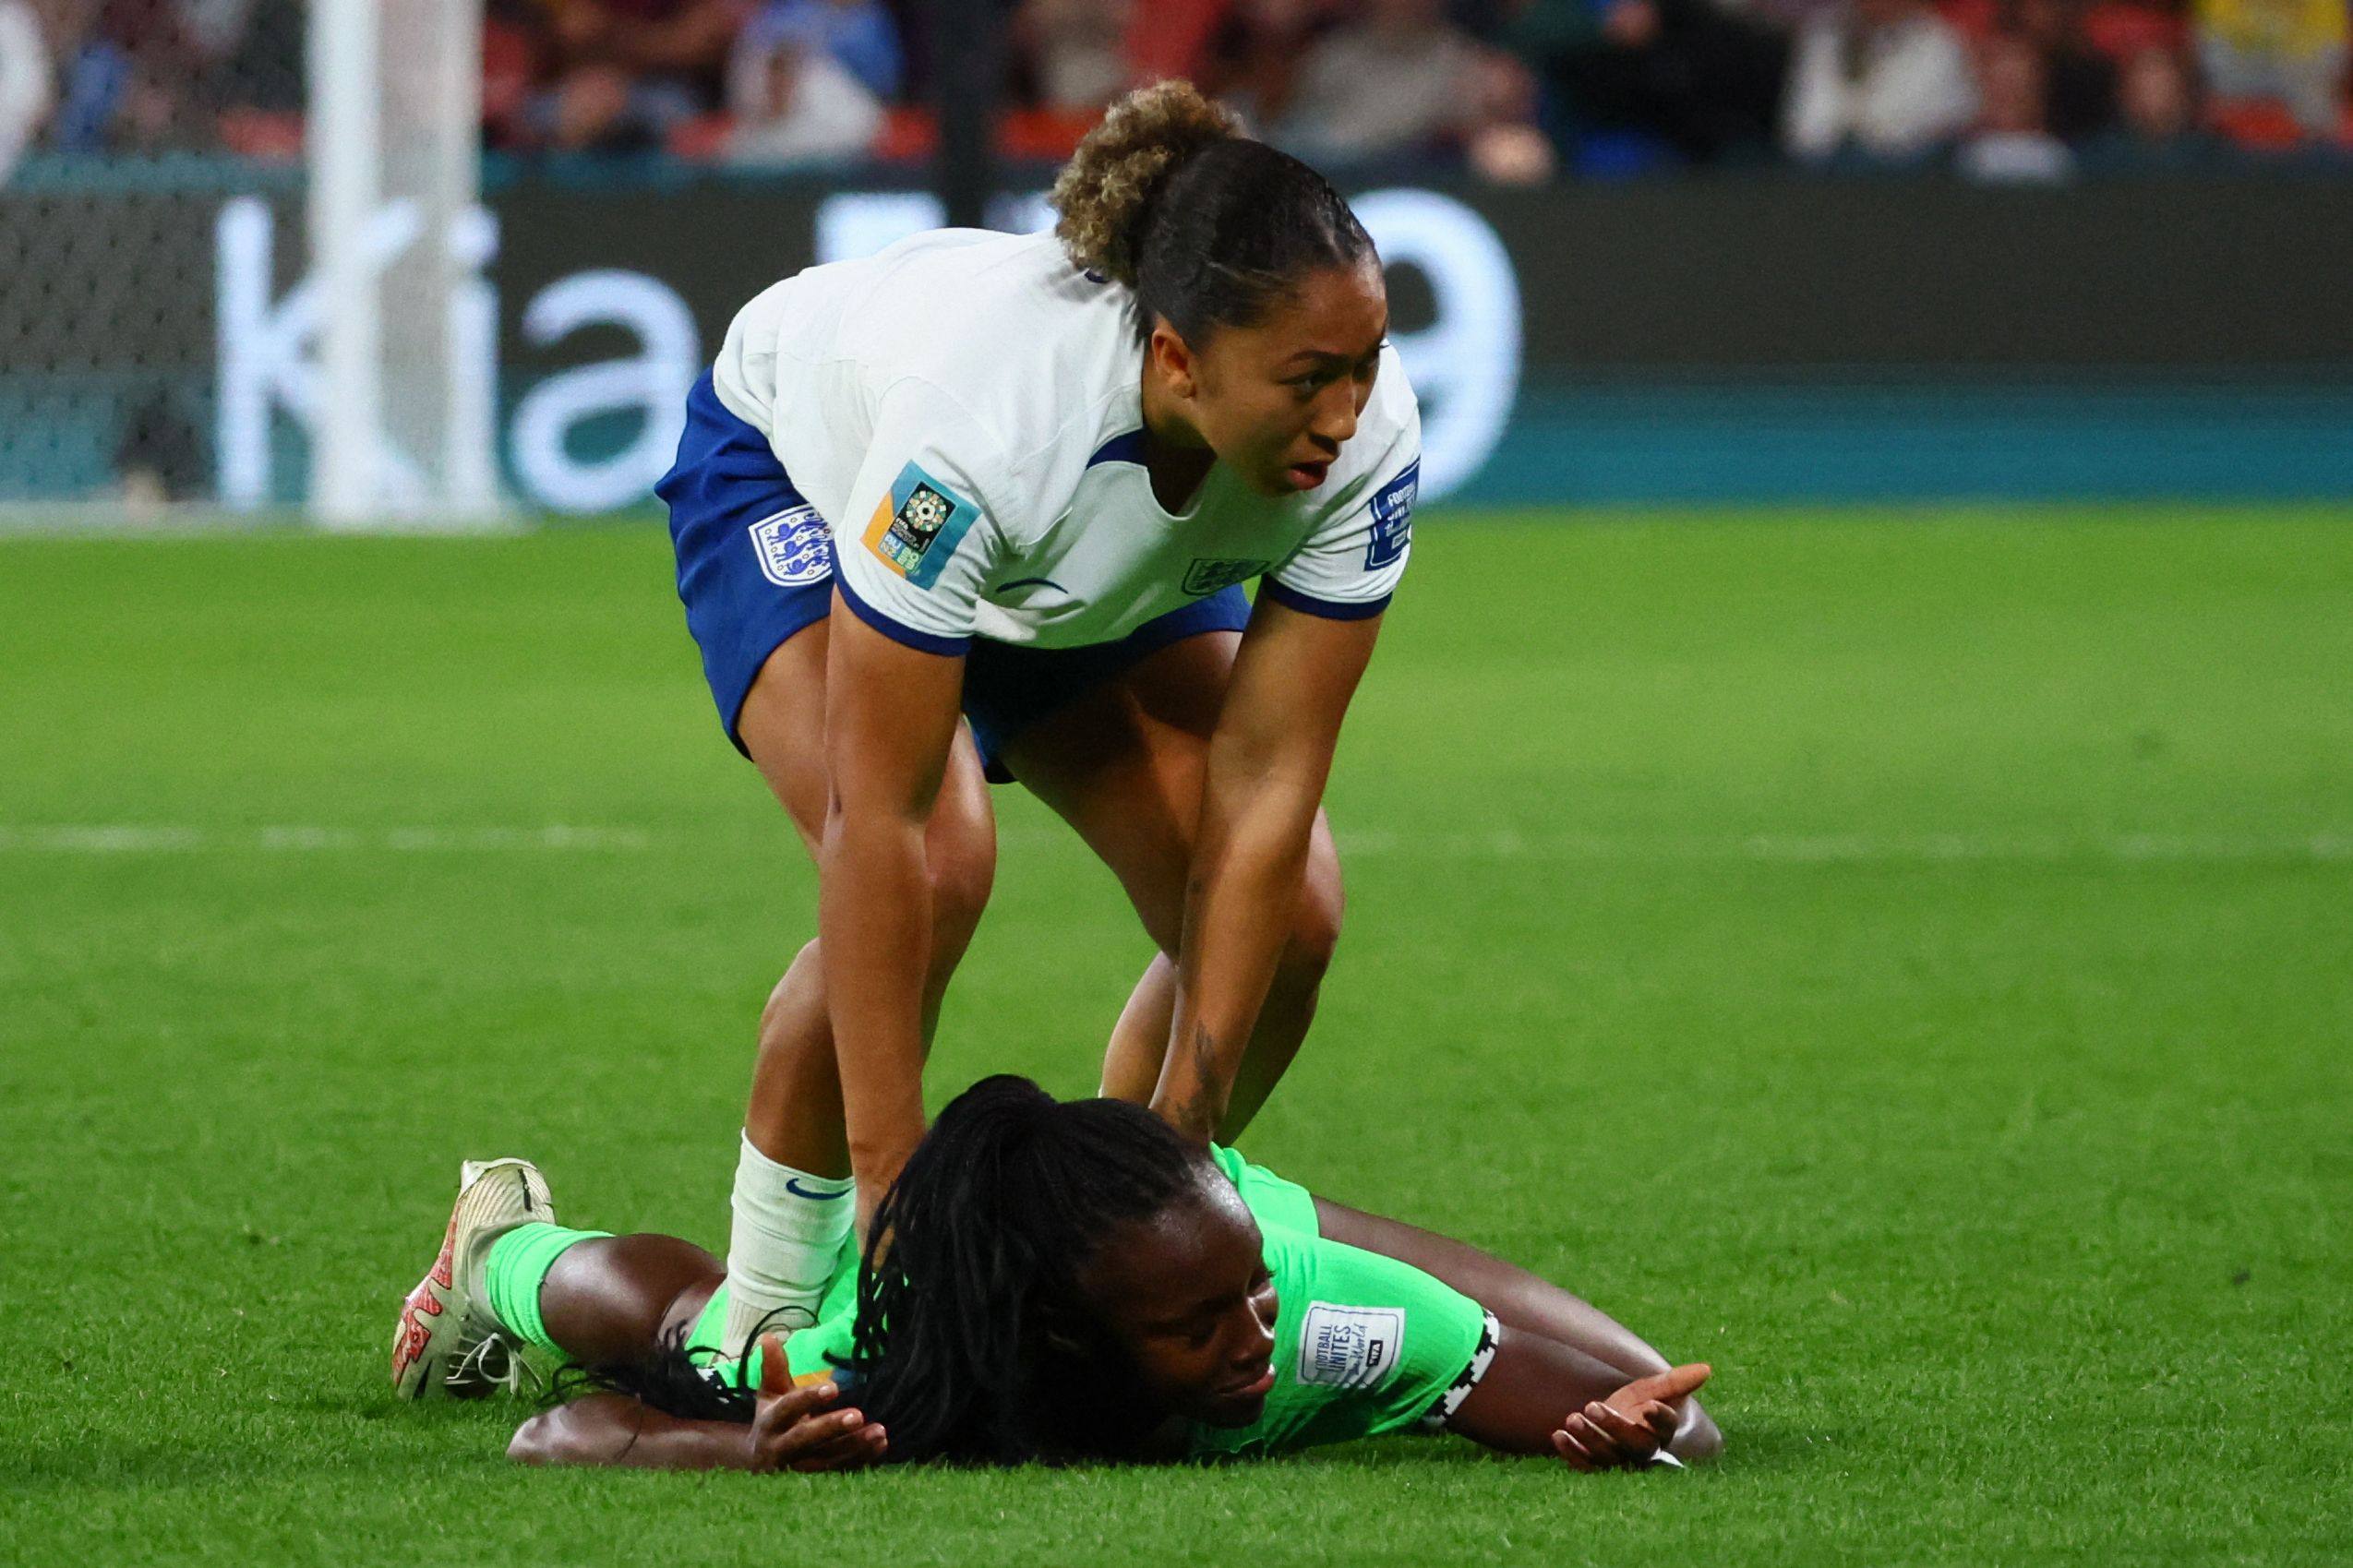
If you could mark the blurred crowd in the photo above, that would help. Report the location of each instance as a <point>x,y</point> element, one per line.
<point>1514,90</point>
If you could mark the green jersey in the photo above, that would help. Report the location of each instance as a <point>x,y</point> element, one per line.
<point>1365,1345</point>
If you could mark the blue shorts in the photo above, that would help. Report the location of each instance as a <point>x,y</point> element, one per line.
<point>756,565</point>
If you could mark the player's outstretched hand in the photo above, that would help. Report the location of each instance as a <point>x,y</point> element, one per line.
<point>792,1428</point>
<point>1630,1427</point>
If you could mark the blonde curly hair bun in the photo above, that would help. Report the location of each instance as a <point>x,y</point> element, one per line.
<point>1105,193</point>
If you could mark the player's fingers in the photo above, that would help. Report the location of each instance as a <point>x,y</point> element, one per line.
<point>1598,1446</point>
<point>1675,1383</point>
<point>1573,1456</point>
<point>1660,1418</point>
<point>1632,1435</point>
<point>1605,1422</point>
<point>1605,1435</point>
<point>775,1377</point>
<point>778,1412</point>
<point>789,1445</point>
<point>779,1433</point>
<point>851,1450</point>
<point>835,1431</point>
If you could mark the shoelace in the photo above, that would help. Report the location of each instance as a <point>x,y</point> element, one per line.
<point>491,1361</point>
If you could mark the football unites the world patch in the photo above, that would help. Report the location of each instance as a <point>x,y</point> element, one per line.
<point>1349,1347</point>
<point>794,547</point>
<point>1207,574</point>
<point>1393,518</point>
<point>916,527</point>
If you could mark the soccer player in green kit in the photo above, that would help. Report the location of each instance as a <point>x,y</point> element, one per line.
<point>1062,1282</point>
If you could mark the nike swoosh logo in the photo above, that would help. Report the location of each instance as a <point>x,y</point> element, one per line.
<point>793,1185</point>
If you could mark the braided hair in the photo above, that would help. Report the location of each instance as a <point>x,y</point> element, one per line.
<point>973,1343</point>
<point>1208,227</point>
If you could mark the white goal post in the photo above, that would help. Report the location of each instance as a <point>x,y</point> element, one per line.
<point>403,430</point>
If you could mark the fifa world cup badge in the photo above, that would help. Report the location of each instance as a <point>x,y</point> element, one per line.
<point>917,525</point>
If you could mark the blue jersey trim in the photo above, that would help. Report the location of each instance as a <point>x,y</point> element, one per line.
<point>1330,609</point>
<point>1126,447</point>
<point>922,641</point>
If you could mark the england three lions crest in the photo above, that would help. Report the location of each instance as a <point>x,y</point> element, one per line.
<point>794,547</point>
<point>1209,574</point>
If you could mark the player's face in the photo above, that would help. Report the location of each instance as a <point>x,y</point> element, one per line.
<point>1186,1294</point>
<point>1277,401</point>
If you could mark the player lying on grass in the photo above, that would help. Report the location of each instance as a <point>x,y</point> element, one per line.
<point>1063,1281</point>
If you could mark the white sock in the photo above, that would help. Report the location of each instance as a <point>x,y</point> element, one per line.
<point>789,1231</point>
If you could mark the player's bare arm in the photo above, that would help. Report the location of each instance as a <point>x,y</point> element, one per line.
<point>793,1428</point>
<point>890,719</point>
<point>1269,761</point>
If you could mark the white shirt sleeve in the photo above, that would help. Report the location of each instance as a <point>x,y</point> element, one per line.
<point>919,537</point>
<point>1351,563</point>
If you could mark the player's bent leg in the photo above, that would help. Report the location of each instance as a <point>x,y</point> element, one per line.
<point>782,725</point>
<point>1124,765</point>
<point>616,1300</point>
<point>1526,1303</point>
<point>793,1199</point>
<point>595,1299</point>
<point>795,1115</point>
<point>1140,1040</point>
<point>782,728</point>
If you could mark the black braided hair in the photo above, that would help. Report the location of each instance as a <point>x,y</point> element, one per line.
<point>972,1344</point>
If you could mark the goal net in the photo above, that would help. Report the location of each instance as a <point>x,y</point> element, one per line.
<point>241,261</point>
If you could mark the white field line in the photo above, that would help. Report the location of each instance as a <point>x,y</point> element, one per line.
<point>1858,848</point>
<point>2334,847</point>
<point>141,838</point>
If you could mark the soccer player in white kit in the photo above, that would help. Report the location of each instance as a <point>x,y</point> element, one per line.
<point>980,506</point>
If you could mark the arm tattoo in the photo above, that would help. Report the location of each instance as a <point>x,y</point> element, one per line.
<point>1196,1111</point>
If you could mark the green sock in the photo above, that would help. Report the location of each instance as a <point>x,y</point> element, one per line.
<point>516,1268</point>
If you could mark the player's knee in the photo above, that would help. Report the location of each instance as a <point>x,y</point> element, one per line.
<point>1315,929</point>
<point>772,1012</point>
<point>962,874</point>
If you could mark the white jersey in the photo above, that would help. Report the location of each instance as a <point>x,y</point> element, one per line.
<point>964,409</point>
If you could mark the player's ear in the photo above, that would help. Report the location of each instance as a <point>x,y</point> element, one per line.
<point>1172,358</point>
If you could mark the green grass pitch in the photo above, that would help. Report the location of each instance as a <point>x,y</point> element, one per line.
<point>1906,961</point>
